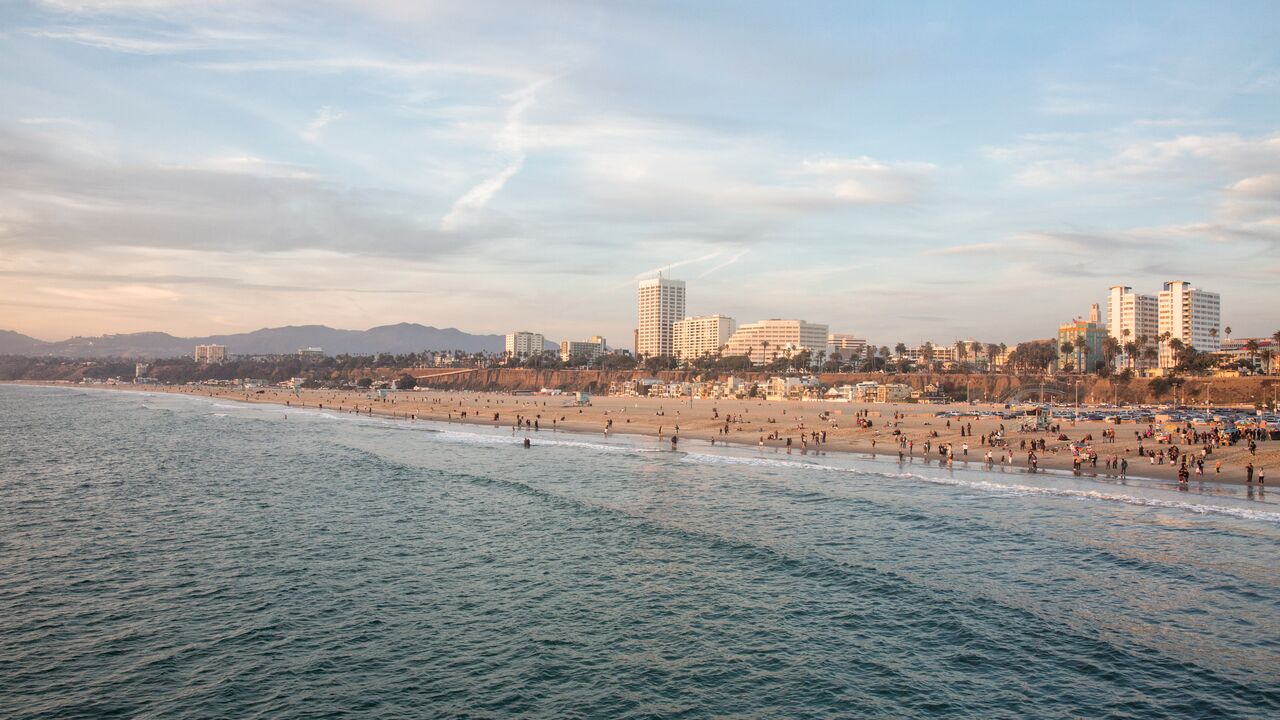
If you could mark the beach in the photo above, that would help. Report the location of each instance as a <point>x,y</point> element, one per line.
<point>748,421</point>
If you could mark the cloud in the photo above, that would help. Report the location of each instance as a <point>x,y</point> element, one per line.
<point>315,128</point>
<point>1260,186</point>
<point>720,266</point>
<point>510,140</point>
<point>54,196</point>
<point>973,249</point>
<point>123,44</point>
<point>1119,158</point>
<point>864,180</point>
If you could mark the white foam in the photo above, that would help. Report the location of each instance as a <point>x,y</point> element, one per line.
<point>1246,513</point>
<point>1012,489</point>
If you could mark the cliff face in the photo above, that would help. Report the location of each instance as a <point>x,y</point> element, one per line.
<point>995,387</point>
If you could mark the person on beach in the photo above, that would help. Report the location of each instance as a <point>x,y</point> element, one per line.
<point>1248,473</point>
<point>1262,475</point>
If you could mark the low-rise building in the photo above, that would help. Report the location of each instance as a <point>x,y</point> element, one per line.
<point>767,340</point>
<point>587,350</point>
<point>695,337</point>
<point>846,345</point>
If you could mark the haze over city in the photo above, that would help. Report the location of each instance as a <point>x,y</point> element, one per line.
<point>202,168</point>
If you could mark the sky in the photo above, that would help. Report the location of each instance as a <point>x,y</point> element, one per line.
<point>902,171</point>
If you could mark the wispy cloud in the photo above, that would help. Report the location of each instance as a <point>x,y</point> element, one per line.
<point>985,248</point>
<point>511,141</point>
<point>315,128</point>
<point>733,259</point>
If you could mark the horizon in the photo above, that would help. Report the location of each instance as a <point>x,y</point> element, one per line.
<point>899,174</point>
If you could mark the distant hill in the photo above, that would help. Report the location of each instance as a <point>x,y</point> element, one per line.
<point>399,338</point>
<point>12,343</point>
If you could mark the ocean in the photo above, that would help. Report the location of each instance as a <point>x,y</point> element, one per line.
<point>167,556</point>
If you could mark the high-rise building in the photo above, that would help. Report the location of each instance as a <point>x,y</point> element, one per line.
<point>1188,314</point>
<point>1132,318</point>
<point>661,304</point>
<point>523,344</point>
<point>766,340</point>
<point>694,337</point>
<point>211,354</point>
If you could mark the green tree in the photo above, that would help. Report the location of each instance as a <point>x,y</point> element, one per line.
<point>406,382</point>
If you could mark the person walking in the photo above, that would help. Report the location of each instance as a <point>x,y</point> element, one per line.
<point>1248,473</point>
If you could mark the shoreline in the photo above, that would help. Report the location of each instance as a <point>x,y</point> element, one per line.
<point>447,407</point>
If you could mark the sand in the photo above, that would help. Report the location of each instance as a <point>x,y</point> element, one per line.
<point>658,418</point>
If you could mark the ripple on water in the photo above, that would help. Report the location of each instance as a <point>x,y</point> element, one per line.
<point>184,560</point>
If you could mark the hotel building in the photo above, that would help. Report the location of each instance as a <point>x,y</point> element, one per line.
<point>661,305</point>
<point>589,350</point>
<point>766,340</point>
<point>1086,338</point>
<point>1135,313</point>
<point>1191,315</point>
<point>211,354</point>
<point>849,346</point>
<point>525,344</point>
<point>694,337</point>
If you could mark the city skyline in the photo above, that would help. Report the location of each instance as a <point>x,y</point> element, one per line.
<point>891,173</point>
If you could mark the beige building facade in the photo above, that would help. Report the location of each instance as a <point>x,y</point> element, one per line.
<point>695,337</point>
<point>766,340</point>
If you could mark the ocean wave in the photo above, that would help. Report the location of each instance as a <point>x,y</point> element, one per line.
<point>1011,489</point>
<point>1198,508</point>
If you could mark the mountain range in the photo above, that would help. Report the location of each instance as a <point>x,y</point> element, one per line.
<point>398,338</point>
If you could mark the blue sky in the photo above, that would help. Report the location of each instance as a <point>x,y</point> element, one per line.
<point>904,171</point>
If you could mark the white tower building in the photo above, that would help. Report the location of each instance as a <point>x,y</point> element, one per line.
<point>1191,315</point>
<point>661,304</point>
<point>1134,312</point>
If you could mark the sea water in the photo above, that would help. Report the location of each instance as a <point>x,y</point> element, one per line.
<point>176,557</point>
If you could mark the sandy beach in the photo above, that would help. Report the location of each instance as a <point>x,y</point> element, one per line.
<point>748,421</point>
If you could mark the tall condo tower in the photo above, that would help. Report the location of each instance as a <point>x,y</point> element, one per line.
<point>1135,313</point>
<point>1191,315</point>
<point>661,305</point>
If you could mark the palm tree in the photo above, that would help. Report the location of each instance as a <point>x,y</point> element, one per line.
<point>1228,329</point>
<point>1251,347</point>
<point>1110,349</point>
<point>992,351</point>
<point>962,351</point>
<point>1267,355</point>
<point>1131,353</point>
<point>926,354</point>
<point>1067,348</point>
